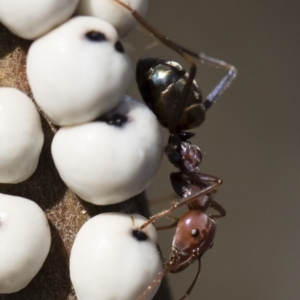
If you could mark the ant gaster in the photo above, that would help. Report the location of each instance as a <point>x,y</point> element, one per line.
<point>173,95</point>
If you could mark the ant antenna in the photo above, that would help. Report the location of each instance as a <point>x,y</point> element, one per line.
<point>187,293</point>
<point>156,281</point>
<point>168,269</point>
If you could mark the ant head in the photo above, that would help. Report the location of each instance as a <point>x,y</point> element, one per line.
<point>160,83</point>
<point>194,235</point>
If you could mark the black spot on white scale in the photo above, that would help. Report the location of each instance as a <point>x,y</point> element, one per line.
<point>95,36</point>
<point>116,119</point>
<point>119,47</point>
<point>139,235</point>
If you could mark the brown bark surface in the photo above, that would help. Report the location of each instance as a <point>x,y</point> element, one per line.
<point>66,213</point>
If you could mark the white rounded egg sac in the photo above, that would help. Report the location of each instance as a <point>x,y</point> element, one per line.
<point>111,159</point>
<point>25,242</point>
<point>112,259</point>
<point>21,136</point>
<point>78,71</point>
<point>113,12</point>
<point>30,19</point>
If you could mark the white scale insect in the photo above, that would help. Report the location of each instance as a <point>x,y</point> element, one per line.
<point>110,11</point>
<point>21,136</point>
<point>78,71</point>
<point>25,242</point>
<point>111,259</point>
<point>111,159</point>
<point>32,18</point>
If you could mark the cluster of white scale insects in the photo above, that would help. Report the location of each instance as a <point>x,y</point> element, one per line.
<point>79,74</point>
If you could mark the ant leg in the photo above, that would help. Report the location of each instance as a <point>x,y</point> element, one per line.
<point>224,83</point>
<point>172,225</point>
<point>162,199</point>
<point>193,283</point>
<point>180,181</point>
<point>182,202</point>
<point>185,53</point>
<point>201,177</point>
<point>219,208</point>
<point>179,108</point>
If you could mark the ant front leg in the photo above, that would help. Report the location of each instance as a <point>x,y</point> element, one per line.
<point>172,225</point>
<point>183,201</point>
<point>219,208</point>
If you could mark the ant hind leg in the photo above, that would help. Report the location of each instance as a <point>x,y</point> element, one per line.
<point>224,83</point>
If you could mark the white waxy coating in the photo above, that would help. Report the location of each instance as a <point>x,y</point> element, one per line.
<point>21,136</point>
<point>113,12</point>
<point>30,19</point>
<point>105,164</point>
<point>108,262</point>
<point>25,242</point>
<point>74,76</point>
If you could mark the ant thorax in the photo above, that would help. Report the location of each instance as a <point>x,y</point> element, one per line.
<point>191,157</point>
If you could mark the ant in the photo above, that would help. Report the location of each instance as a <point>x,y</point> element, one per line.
<point>173,95</point>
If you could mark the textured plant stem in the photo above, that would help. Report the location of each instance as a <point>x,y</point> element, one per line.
<point>66,213</point>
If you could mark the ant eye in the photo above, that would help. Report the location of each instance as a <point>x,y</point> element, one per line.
<point>195,232</point>
<point>95,36</point>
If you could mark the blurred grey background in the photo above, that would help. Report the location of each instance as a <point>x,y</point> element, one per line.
<point>250,139</point>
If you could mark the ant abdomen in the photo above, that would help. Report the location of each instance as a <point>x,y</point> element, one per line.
<point>160,83</point>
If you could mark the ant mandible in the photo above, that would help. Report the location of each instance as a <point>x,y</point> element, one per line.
<point>173,95</point>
